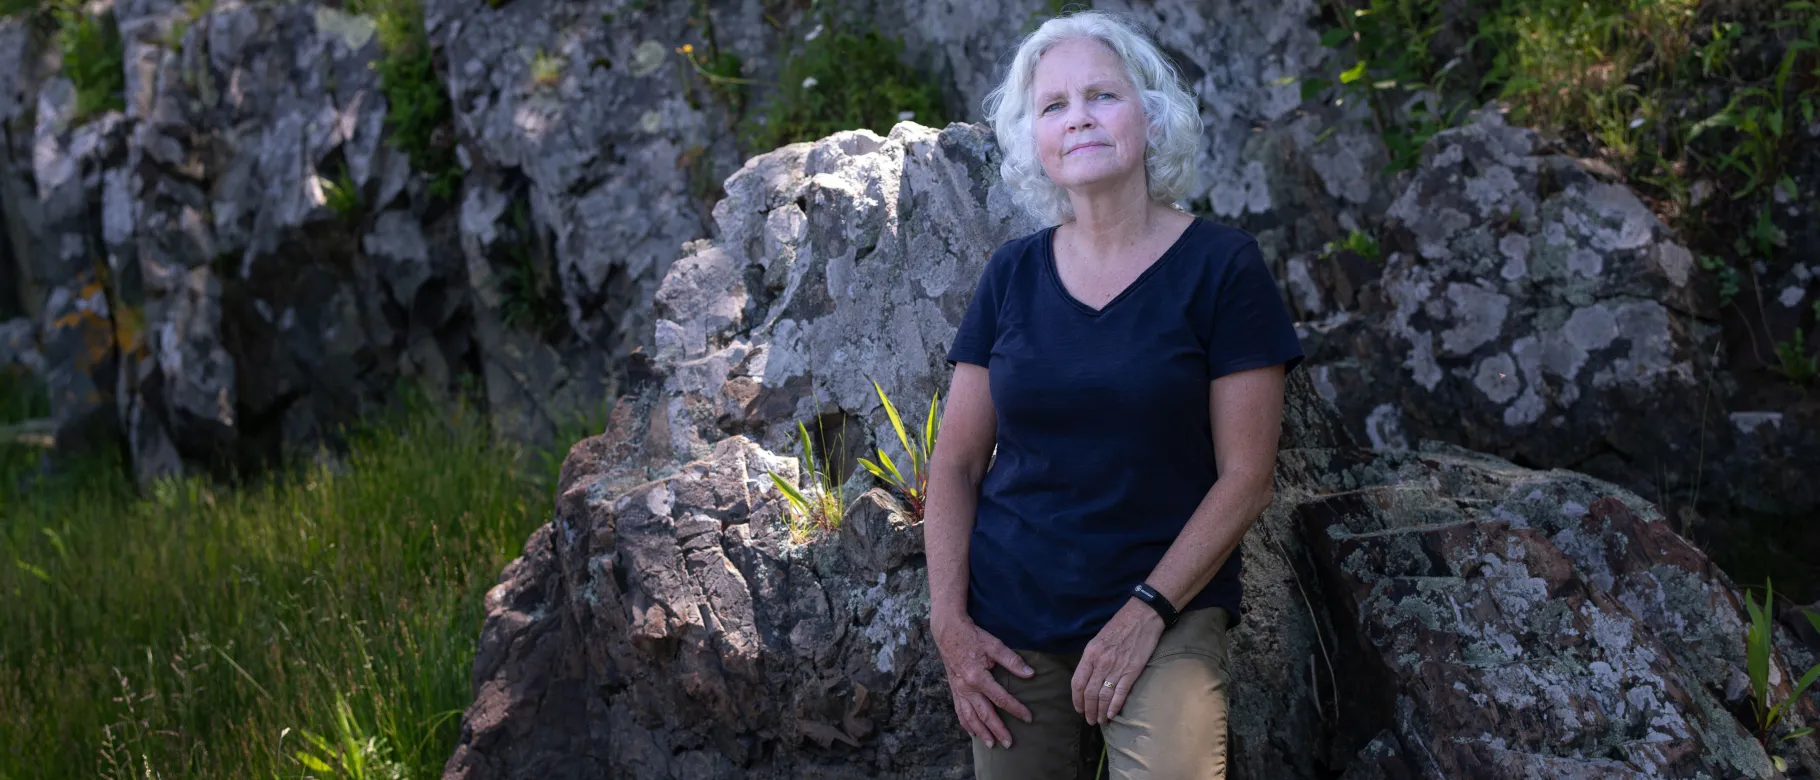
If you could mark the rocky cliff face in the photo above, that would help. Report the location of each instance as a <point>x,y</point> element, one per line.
<point>1412,613</point>
<point>193,289</point>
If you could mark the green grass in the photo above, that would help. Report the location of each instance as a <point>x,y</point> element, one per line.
<point>200,632</point>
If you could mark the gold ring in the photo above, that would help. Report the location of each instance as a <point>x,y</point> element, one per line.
<point>1109,683</point>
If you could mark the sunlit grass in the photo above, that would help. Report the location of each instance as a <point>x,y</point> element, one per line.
<point>200,631</point>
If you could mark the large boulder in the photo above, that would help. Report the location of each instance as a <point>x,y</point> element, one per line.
<point>1528,306</point>
<point>1413,613</point>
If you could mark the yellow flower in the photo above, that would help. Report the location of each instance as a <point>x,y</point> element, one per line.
<point>687,48</point>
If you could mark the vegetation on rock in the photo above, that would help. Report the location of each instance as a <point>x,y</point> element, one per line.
<point>417,105</point>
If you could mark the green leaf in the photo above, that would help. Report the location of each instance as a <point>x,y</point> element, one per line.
<point>32,570</point>
<point>790,492</point>
<point>1335,37</point>
<point>1312,87</point>
<point>1797,734</point>
<point>929,425</point>
<point>1756,643</point>
<point>1353,73</point>
<point>874,469</point>
<point>1781,765</point>
<point>897,423</point>
<point>315,764</point>
<point>1795,696</point>
<point>896,476</point>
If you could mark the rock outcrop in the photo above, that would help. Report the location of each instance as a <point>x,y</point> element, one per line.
<point>1424,612</point>
<point>195,292</point>
<point>1528,306</point>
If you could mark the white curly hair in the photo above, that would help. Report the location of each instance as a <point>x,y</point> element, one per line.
<point>1174,119</point>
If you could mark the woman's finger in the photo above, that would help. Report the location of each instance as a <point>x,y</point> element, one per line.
<point>998,695</point>
<point>1005,656</point>
<point>970,721</point>
<point>1122,689</point>
<point>1078,682</point>
<point>989,717</point>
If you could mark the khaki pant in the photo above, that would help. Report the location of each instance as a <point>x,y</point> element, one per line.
<point>1172,726</point>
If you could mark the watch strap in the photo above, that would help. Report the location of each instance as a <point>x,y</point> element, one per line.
<point>1155,599</point>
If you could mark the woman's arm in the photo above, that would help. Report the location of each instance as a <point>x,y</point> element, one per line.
<point>956,468</point>
<point>1246,408</point>
<point>1247,414</point>
<point>969,428</point>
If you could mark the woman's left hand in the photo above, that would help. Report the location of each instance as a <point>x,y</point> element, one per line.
<point>1117,653</point>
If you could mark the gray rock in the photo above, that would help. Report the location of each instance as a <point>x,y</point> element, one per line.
<point>667,623</point>
<point>1525,307</point>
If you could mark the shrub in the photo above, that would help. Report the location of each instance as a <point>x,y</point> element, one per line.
<point>418,110</point>
<point>843,81</point>
<point>93,58</point>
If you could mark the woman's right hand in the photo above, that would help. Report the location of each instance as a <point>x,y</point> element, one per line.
<point>969,653</point>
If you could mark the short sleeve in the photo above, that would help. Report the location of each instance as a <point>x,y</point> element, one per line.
<point>1251,326</point>
<point>979,326</point>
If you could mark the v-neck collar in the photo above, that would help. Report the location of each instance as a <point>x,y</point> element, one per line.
<point>1055,276</point>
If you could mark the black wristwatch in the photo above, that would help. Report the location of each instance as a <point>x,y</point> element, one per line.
<point>1150,596</point>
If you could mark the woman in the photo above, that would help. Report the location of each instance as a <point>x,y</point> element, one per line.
<point>1128,364</point>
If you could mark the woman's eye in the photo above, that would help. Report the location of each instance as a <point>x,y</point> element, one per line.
<point>1051,105</point>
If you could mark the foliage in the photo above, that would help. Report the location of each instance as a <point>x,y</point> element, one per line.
<point>1766,118</point>
<point>1796,363</point>
<point>843,80</point>
<point>916,487</point>
<point>1728,277</point>
<point>341,194</point>
<point>822,504</point>
<point>530,298</point>
<point>1358,242</point>
<point>93,57</point>
<point>546,69</point>
<point>1759,645</point>
<point>351,753</point>
<point>417,108</point>
<point>181,633</point>
<point>1556,63</point>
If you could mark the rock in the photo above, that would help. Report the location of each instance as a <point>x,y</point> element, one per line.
<point>667,624</point>
<point>1536,623</point>
<point>1526,308</point>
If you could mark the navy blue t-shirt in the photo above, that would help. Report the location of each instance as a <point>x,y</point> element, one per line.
<point>1104,444</point>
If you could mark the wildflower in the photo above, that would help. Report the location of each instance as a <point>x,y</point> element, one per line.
<point>809,82</point>
<point>812,33</point>
<point>1636,123</point>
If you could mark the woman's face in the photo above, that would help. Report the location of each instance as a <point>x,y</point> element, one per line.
<point>1090,124</point>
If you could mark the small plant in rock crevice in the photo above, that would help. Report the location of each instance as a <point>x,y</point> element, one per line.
<point>915,487</point>
<point>418,112</point>
<point>546,69</point>
<point>93,57</point>
<point>1759,646</point>
<point>1358,242</point>
<point>821,504</point>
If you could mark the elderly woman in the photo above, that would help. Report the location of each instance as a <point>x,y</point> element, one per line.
<point>1128,363</point>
